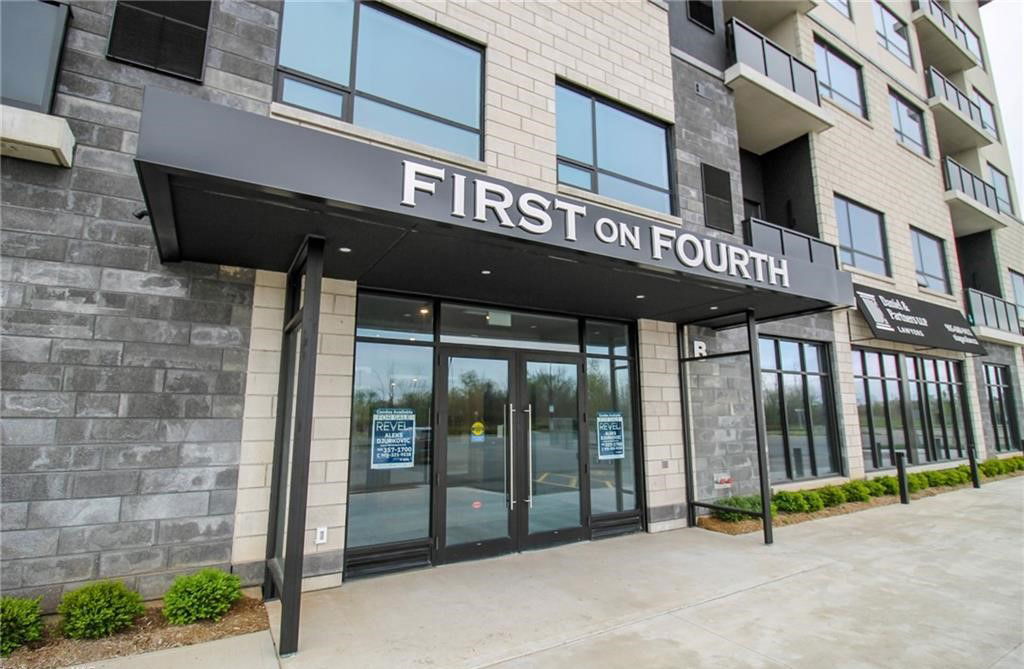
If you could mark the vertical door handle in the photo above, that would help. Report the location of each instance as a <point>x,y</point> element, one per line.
<point>529,452</point>
<point>511,457</point>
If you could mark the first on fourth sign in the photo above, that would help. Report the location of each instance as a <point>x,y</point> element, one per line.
<point>393,439</point>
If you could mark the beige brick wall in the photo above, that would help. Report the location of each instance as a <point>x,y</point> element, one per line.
<point>328,473</point>
<point>662,419</point>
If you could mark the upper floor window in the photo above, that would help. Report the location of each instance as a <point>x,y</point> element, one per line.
<point>717,198</point>
<point>611,151</point>
<point>973,43</point>
<point>930,261</point>
<point>701,12</point>
<point>1017,281</point>
<point>168,37</point>
<point>839,79</point>
<point>892,33</point>
<point>842,6</point>
<point>1002,185</point>
<point>988,113</point>
<point>861,236</point>
<point>908,122</point>
<point>376,69</point>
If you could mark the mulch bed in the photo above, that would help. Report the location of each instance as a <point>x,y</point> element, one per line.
<point>150,632</point>
<point>782,519</point>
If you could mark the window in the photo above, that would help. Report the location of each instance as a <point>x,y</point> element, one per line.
<point>1002,185</point>
<point>701,12</point>
<point>1001,407</point>
<point>798,409</point>
<point>839,79</point>
<point>842,6</point>
<point>1017,281</point>
<point>404,78</point>
<point>31,39</point>
<point>883,433</point>
<point>168,37</point>
<point>988,113</point>
<point>717,198</point>
<point>973,43</point>
<point>937,408</point>
<point>908,122</point>
<point>930,260</point>
<point>752,209</point>
<point>610,151</point>
<point>892,33</point>
<point>861,237</point>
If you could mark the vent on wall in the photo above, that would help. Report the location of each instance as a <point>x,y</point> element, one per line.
<point>717,198</point>
<point>163,35</point>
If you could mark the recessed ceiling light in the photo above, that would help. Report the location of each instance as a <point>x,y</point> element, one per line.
<point>485,272</point>
<point>713,308</point>
<point>344,249</point>
<point>407,315</point>
<point>424,310</point>
<point>640,297</point>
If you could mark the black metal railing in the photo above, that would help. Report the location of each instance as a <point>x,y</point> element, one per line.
<point>944,19</point>
<point>967,182</point>
<point>994,312</point>
<point>750,47</point>
<point>31,40</point>
<point>940,86</point>
<point>771,238</point>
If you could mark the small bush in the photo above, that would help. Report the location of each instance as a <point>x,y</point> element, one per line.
<point>20,622</point>
<point>749,503</point>
<point>856,491</point>
<point>813,501</point>
<point>890,483</point>
<point>832,496</point>
<point>99,610</point>
<point>875,488</point>
<point>205,595</point>
<point>916,482</point>
<point>936,478</point>
<point>790,502</point>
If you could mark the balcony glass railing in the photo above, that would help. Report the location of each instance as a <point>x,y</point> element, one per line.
<point>771,238</point>
<point>962,179</point>
<point>750,47</point>
<point>993,312</point>
<point>940,86</point>
<point>943,18</point>
<point>31,39</point>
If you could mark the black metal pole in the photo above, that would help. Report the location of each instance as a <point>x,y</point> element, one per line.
<point>901,475</point>
<point>972,457</point>
<point>761,437</point>
<point>684,399</point>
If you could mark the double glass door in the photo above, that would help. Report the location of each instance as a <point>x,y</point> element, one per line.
<point>511,471</point>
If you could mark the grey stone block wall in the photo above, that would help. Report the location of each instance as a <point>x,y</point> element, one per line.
<point>997,355</point>
<point>122,378</point>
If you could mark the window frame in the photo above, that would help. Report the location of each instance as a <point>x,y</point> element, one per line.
<point>351,91</point>
<point>992,172</point>
<point>827,91</point>
<point>903,137</point>
<point>845,10</point>
<point>593,170</point>
<point>980,54</point>
<point>689,15</point>
<point>862,381</point>
<point>731,226</point>
<point>153,68</point>
<point>916,236</point>
<point>984,103</point>
<point>1017,278</point>
<point>1003,387</point>
<point>852,249</point>
<point>882,36</point>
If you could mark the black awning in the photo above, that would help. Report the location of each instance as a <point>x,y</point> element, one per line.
<point>897,318</point>
<point>230,187</point>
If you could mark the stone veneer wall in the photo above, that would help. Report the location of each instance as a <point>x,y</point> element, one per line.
<point>122,378</point>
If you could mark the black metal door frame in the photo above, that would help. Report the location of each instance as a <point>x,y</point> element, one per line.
<point>285,540</point>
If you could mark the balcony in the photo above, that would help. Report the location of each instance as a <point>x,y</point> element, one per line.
<point>770,238</point>
<point>957,117</point>
<point>994,318</point>
<point>972,201</point>
<point>765,15</point>
<point>776,94</point>
<point>943,41</point>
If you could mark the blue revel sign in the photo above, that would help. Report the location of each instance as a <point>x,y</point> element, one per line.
<point>392,439</point>
<point>611,437</point>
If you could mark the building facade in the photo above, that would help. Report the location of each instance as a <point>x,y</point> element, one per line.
<point>530,231</point>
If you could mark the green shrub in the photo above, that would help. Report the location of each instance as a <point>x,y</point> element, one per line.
<point>890,483</point>
<point>935,478</point>
<point>205,595</point>
<point>790,502</point>
<point>813,501</point>
<point>856,491</point>
<point>99,610</point>
<point>832,496</point>
<point>917,482</point>
<point>20,622</point>
<point>875,488</point>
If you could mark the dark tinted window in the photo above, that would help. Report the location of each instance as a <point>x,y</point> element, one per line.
<point>30,45</point>
<point>908,122</point>
<point>839,79</point>
<point>717,198</point>
<point>930,260</point>
<point>166,36</point>
<point>701,12</point>
<point>861,237</point>
<point>383,316</point>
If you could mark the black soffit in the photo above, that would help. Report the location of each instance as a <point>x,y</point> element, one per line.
<point>902,319</point>
<point>234,188</point>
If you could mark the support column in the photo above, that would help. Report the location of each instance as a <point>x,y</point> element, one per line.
<point>759,425</point>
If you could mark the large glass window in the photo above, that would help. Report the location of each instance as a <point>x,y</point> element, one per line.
<point>611,151</point>
<point>861,236</point>
<point>486,326</point>
<point>798,409</point>
<point>1002,185</point>
<point>839,79</point>
<point>407,79</point>
<point>1001,407</point>
<point>892,33</point>
<point>938,408</point>
<point>880,408</point>
<point>988,113</point>
<point>841,6</point>
<point>1017,282</point>
<point>930,260</point>
<point>973,43</point>
<point>908,122</point>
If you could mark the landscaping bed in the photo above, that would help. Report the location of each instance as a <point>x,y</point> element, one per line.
<point>789,508</point>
